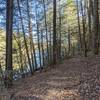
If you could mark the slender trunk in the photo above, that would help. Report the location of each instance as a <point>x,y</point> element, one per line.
<point>50,44</point>
<point>34,52</point>
<point>96,26</point>
<point>42,48</point>
<point>69,42</point>
<point>89,23</point>
<point>20,52</point>
<point>45,17</point>
<point>60,24</point>
<point>54,34</point>
<point>30,34</point>
<point>38,38</point>
<point>84,31</point>
<point>79,28</point>
<point>26,47</point>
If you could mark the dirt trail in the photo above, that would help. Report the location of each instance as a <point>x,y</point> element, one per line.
<point>74,79</point>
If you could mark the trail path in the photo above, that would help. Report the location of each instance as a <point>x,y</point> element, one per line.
<point>74,79</point>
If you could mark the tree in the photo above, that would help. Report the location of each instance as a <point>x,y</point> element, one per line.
<point>46,29</point>
<point>79,29</point>
<point>9,31</point>
<point>25,41</point>
<point>96,26</point>
<point>54,33</point>
<point>84,30</point>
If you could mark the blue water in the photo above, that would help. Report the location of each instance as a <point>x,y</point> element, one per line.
<point>18,73</point>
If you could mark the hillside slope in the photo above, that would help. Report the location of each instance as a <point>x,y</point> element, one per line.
<point>74,79</point>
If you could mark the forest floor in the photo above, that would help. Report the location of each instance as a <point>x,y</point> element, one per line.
<point>74,79</point>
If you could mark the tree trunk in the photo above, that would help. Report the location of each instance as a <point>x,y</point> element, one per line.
<point>79,28</point>
<point>54,34</point>
<point>45,17</point>
<point>96,27</point>
<point>84,30</point>
<point>42,48</point>
<point>38,37</point>
<point>25,41</point>
<point>9,31</point>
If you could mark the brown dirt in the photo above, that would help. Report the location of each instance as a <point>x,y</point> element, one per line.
<point>74,79</point>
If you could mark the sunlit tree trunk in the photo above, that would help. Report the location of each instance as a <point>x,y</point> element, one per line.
<point>60,35</point>
<point>25,41</point>
<point>20,51</point>
<point>30,35</point>
<point>84,30</point>
<point>79,28</point>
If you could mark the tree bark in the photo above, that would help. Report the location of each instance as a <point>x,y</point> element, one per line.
<point>9,31</point>
<point>96,26</point>
<point>54,34</point>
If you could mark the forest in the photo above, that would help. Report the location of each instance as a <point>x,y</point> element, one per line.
<point>49,50</point>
